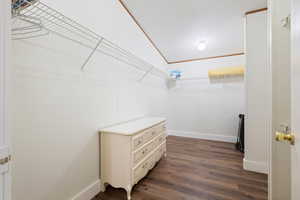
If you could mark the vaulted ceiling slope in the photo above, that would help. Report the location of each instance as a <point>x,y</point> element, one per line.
<point>176,27</point>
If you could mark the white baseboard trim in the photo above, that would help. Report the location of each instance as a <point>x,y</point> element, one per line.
<point>89,192</point>
<point>254,166</point>
<point>221,138</point>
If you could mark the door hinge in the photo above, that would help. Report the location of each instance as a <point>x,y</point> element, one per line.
<point>286,22</point>
<point>5,160</point>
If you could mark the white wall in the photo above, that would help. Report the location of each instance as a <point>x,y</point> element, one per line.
<point>56,110</point>
<point>258,94</point>
<point>202,109</point>
<point>281,68</point>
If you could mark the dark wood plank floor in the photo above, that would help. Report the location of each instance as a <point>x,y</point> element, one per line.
<point>197,170</point>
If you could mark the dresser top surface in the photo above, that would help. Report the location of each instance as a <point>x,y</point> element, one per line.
<point>133,127</point>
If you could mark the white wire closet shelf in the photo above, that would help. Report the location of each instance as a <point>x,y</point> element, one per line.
<point>36,19</point>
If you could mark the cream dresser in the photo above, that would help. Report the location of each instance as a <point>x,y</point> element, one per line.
<point>130,150</point>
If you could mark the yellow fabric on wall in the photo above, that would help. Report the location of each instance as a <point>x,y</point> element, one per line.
<point>226,71</point>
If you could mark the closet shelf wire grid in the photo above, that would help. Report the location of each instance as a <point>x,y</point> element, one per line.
<point>38,20</point>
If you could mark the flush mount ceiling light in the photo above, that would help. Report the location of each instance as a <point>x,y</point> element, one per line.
<point>202,45</point>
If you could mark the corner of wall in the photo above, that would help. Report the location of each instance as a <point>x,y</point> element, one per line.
<point>89,192</point>
<point>204,136</point>
<point>255,166</point>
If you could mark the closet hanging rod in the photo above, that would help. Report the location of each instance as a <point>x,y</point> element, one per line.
<point>33,11</point>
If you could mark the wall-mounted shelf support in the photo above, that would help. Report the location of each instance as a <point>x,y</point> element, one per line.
<point>91,54</point>
<point>145,74</point>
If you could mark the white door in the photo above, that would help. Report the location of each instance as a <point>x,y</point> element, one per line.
<point>295,98</point>
<point>5,193</point>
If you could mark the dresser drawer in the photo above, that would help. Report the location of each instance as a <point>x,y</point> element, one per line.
<point>143,138</point>
<point>152,161</point>
<point>140,154</point>
<point>141,171</point>
<point>160,139</point>
<point>138,141</point>
<point>150,134</point>
<point>156,156</point>
<point>159,152</point>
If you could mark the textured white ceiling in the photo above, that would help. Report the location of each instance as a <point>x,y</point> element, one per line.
<point>177,26</point>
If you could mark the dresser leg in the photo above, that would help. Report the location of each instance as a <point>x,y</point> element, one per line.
<point>103,187</point>
<point>128,193</point>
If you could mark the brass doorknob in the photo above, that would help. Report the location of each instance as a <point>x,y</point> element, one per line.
<point>285,137</point>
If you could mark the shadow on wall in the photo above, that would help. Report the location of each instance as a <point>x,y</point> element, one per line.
<point>88,153</point>
<point>223,82</point>
<point>233,79</point>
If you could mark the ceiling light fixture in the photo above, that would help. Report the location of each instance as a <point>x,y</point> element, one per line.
<point>202,45</point>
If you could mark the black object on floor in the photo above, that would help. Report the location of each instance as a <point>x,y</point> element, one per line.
<point>240,144</point>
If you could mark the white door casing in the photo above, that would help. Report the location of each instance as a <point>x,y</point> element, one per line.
<point>280,180</point>
<point>257,119</point>
<point>5,179</point>
<point>295,98</point>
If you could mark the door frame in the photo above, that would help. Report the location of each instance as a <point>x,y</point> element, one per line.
<point>270,88</point>
<point>4,63</point>
<point>5,44</point>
